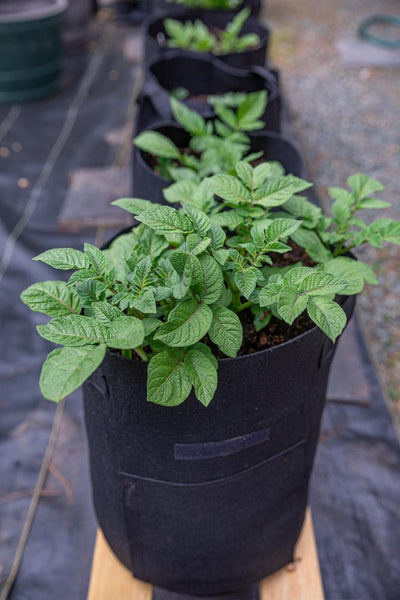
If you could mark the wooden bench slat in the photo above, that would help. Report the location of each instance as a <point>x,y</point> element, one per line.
<point>110,580</point>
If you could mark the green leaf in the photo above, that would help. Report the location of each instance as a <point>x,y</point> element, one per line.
<point>246,281</point>
<point>167,381</point>
<point>226,330</point>
<point>195,244</point>
<point>187,268</point>
<point>187,323</point>
<point>320,284</point>
<point>157,144</point>
<point>374,203</point>
<point>65,369</point>
<point>199,219</point>
<point>73,330</point>
<point>275,192</point>
<point>280,228</point>
<point>252,109</point>
<point>291,304</point>
<point>165,220</point>
<point>327,315</point>
<point>228,218</point>
<point>354,272</point>
<point>190,120</point>
<point>391,233</point>
<point>125,332</point>
<point>311,242</point>
<point>181,191</point>
<point>261,172</point>
<point>150,324</point>
<point>51,298</point>
<point>202,374</point>
<point>105,313</point>
<point>96,258</point>
<point>213,279</point>
<point>133,205</point>
<point>364,186</point>
<point>245,172</point>
<point>64,258</point>
<point>230,189</point>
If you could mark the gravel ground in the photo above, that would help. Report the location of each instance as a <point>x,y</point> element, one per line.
<point>347,120</point>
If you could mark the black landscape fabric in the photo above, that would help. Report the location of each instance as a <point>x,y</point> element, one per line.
<point>355,484</point>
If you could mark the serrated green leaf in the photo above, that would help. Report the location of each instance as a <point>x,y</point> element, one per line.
<point>202,374</point>
<point>52,298</point>
<point>230,189</point>
<point>125,332</point>
<point>105,313</point>
<point>165,220</point>
<point>261,172</point>
<point>90,291</point>
<point>150,324</point>
<point>190,120</point>
<point>133,205</point>
<point>228,218</point>
<point>73,330</point>
<point>280,228</point>
<point>374,203</point>
<point>321,284</point>
<point>251,109</point>
<point>64,259</point>
<point>96,258</point>
<point>187,323</point>
<point>226,330</point>
<point>327,315</point>
<point>157,144</point>
<point>245,172</point>
<point>364,186</point>
<point>246,281</point>
<point>290,304</point>
<point>353,272</point>
<point>213,279</point>
<point>199,219</point>
<point>144,302</point>
<point>275,192</point>
<point>65,369</point>
<point>167,381</point>
<point>181,191</point>
<point>187,267</point>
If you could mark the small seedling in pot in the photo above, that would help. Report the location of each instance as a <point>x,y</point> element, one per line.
<point>196,36</point>
<point>215,146</point>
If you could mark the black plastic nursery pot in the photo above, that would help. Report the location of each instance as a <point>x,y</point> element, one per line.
<point>155,37</point>
<point>202,76</point>
<point>30,48</point>
<point>148,184</point>
<point>207,501</point>
<point>254,5</point>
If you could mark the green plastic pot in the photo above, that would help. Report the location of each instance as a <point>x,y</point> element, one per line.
<point>30,48</point>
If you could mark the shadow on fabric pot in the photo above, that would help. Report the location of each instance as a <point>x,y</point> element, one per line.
<point>202,76</point>
<point>155,37</point>
<point>207,501</point>
<point>30,48</point>
<point>149,185</point>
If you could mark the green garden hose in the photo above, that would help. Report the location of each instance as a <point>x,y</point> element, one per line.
<point>387,20</point>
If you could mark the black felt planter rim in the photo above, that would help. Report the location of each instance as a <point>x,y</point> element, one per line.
<point>187,15</point>
<point>160,124</point>
<point>262,72</point>
<point>49,9</point>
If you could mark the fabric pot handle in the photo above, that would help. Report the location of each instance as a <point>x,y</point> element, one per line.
<point>270,75</point>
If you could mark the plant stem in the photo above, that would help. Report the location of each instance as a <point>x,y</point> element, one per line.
<point>142,354</point>
<point>244,306</point>
<point>126,353</point>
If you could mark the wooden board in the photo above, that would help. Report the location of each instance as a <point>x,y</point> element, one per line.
<point>301,580</point>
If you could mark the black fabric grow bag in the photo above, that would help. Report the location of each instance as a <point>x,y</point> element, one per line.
<point>30,48</point>
<point>155,37</point>
<point>209,500</point>
<point>254,5</point>
<point>202,76</point>
<point>147,184</point>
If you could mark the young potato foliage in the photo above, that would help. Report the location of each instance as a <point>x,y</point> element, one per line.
<point>197,37</point>
<point>214,146</point>
<point>173,287</point>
